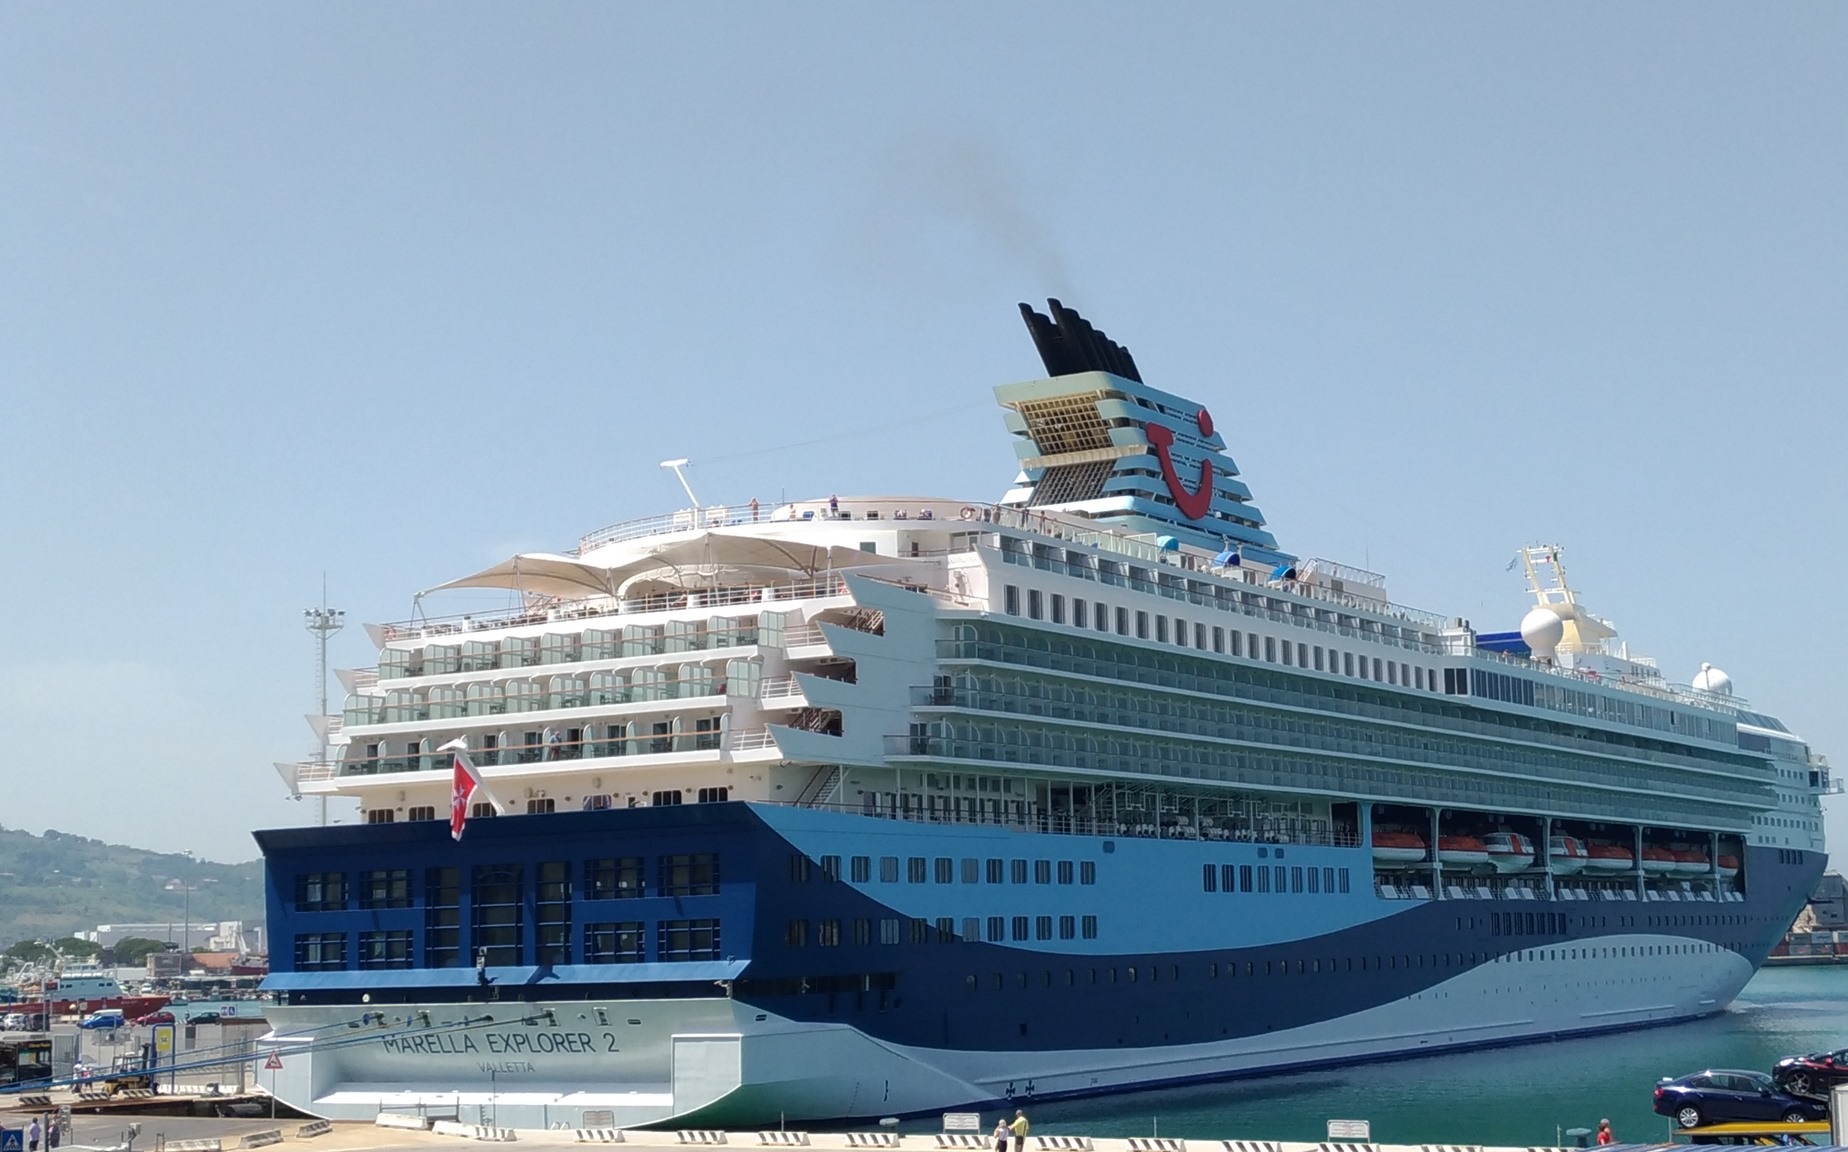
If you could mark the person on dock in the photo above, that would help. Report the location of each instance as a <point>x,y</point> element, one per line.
<point>1002,1132</point>
<point>1605,1135</point>
<point>1020,1128</point>
<point>33,1132</point>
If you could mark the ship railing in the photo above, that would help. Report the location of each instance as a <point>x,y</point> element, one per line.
<point>779,688</point>
<point>750,740</point>
<point>514,755</point>
<point>1031,819</point>
<point>603,607</point>
<point>1674,694</point>
<point>1308,619</point>
<point>315,770</point>
<point>1062,746</point>
<point>683,520</point>
<point>744,516</point>
<point>803,635</point>
<point>958,650</point>
<point>1054,526</point>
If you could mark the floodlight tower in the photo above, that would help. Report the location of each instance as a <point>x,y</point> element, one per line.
<point>323,622</point>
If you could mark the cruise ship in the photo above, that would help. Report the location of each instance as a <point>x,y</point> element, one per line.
<point>853,807</point>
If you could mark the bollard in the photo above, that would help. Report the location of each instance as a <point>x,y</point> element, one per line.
<point>1580,1137</point>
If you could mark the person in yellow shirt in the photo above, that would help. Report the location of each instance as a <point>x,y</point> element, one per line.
<point>1020,1129</point>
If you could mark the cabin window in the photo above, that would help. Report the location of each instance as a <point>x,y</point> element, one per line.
<point>320,891</point>
<point>385,949</point>
<point>621,878</point>
<point>320,952</point>
<point>687,940</point>
<point>385,888</point>
<point>442,917</point>
<point>498,893</point>
<point>696,874</point>
<point>618,942</point>
<point>552,905</point>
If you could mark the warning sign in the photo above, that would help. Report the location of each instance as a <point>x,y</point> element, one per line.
<point>273,1064</point>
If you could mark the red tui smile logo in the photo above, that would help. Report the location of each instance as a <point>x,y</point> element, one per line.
<point>1194,504</point>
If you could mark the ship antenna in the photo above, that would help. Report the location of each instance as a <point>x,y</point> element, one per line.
<point>323,622</point>
<point>676,466</point>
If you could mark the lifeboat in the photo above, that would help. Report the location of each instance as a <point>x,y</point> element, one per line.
<point>1729,867</point>
<point>1461,851</point>
<point>1509,851</point>
<point>1397,847</point>
<point>1565,855</point>
<point>1691,862</point>
<point>1607,858</point>
<point>1659,861</point>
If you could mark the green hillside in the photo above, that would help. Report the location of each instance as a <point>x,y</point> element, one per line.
<point>57,884</point>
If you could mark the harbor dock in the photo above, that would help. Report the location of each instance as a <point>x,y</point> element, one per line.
<point>150,1133</point>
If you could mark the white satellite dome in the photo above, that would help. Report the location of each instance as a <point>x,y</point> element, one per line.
<point>1711,679</point>
<point>1543,630</point>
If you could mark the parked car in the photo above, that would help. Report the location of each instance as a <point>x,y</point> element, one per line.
<point>1811,1075</point>
<point>204,1018</point>
<point>161,1017</point>
<point>1725,1095</point>
<point>107,1018</point>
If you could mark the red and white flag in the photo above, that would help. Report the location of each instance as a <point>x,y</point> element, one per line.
<point>464,783</point>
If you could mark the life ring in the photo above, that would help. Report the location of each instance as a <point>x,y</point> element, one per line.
<point>968,513</point>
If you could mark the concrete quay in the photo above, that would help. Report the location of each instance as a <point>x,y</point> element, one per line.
<point>110,1133</point>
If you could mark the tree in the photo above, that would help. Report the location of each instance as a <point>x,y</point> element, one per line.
<point>30,952</point>
<point>71,946</point>
<point>132,951</point>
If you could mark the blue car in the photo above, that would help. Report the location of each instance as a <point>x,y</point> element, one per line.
<point>108,1018</point>
<point>1725,1095</point>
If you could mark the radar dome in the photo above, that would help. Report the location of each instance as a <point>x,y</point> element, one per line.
<point>1543,630</point>
<point>1711,679</point>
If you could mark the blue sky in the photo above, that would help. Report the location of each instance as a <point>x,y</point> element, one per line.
<point>391,292</point>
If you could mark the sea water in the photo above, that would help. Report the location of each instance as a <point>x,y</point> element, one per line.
<point>1520,1095</point>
